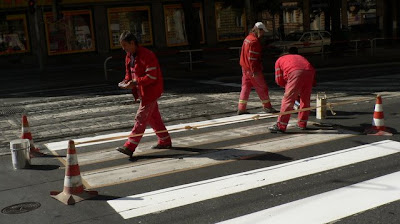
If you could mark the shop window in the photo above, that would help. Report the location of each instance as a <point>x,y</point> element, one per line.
<point>230,22</point>
<point>135,19</point>
<point>72,34</point>
<point>175,26</point>
<point>14,35</point>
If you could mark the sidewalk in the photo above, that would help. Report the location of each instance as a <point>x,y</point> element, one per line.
<point>217,64</point>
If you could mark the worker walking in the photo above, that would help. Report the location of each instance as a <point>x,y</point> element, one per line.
<point>251,63</point>
<point>294,73</point>
<point>143,76</point>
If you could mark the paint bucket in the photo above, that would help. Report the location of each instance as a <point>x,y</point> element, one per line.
<point>20,153</point>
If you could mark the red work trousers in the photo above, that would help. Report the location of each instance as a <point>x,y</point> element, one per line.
<point>148,115</point>
<point>258,82</point>
<point>299,83</point>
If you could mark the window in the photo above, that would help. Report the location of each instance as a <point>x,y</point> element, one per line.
<point>230,22</point>
<point>14,35</point>
<point>135,19</point>
<point>73,33</point>
<point>316,36</point>
<point>175,26</point>
<point>325,35</point>
<point>306,37</point>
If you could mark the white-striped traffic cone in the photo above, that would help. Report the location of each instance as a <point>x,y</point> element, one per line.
<point>73,188</point>
<point>378,123</point>
<point>26,134</point>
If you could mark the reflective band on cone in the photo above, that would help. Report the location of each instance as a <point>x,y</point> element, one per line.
<point>378,123</point>
<point>74,191</point>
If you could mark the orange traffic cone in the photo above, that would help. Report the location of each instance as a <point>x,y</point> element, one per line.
<point>378,124</point>
<point>26,134</point>
<point>73,188</point>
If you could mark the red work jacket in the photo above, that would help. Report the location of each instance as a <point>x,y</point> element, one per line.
<point>250,56</point>
<point>147,72</point>
<point>287,64</point>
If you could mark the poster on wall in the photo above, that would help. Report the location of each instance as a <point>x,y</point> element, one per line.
<point>72,34</point>
<point>361,12</point>
<point>135,19</point>
<point>230,22</point>
<point>175,27</point>
<point>14,35</point>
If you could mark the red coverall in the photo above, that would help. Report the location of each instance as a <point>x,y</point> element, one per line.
<point>250,60</point>
<point>294,73</point>
<point>144,67</point>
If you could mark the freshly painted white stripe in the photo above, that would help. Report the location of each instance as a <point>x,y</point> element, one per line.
<point>186,141</point>
<point>155,201</point>
<point>330,206</point>
<point>126,173</point>
<point>54,146</point>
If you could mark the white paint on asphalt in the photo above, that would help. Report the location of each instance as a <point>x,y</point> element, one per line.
<point>191,140</point>
<point>160,166</point>
<point>101,139</point>
<point>163,199</point>
<point>330,206</point>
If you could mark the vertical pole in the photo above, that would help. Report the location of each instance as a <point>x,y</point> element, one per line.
<point>39,51</point>
<point>190,60</point>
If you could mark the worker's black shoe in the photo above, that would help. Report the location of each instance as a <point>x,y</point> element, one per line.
<point>125,151</point>
<point>270,110</point>
<point>158,146</point>
<point>240,112</point>
<point>301,128</point>
<point>275,129</point>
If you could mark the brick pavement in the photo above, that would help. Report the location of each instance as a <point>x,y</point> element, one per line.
<point>103,108</point>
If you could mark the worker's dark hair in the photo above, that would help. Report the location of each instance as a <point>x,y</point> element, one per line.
<point>128,37</point>
<point>289,51</point>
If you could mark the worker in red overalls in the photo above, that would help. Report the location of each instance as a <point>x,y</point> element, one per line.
<point>250,60</point>
<point>294,73</point>
<point>143,76</point>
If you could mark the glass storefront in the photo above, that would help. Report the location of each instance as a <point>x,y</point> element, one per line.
<point>135,19</point>
<point>14,35</point>
<point>72,34</point>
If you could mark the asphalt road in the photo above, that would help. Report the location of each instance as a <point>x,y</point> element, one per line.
<point>192,180</point>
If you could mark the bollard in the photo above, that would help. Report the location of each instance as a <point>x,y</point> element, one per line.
<point>20,153</point>
<point>321,105</point>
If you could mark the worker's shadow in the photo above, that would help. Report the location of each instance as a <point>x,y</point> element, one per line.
<point>343,114</point>
<point>362,128</point>
<point>215,154</point>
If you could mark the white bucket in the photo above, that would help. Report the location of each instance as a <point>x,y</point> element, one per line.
<point>20,153</point>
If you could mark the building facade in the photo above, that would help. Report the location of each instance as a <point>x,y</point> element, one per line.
<point>43,32</point>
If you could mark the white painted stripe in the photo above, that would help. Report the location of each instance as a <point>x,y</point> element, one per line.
<point>54,146</point>
<point>330,206</point>
<point>187,141</point>
<point>155,201</point>
<point>131,172</point>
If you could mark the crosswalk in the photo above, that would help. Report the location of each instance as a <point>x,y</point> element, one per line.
<point>193,151</point>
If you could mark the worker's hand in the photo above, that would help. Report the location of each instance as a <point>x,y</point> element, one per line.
<point>127,84</point>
